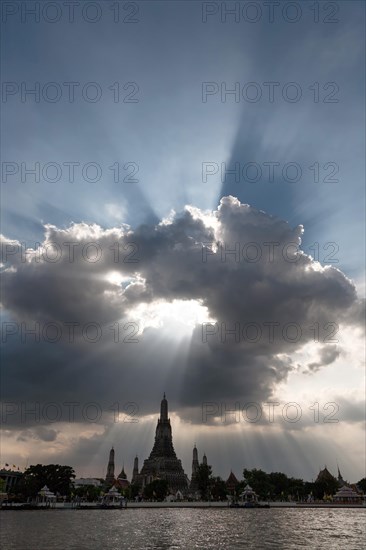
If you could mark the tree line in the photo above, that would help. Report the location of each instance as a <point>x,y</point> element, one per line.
<point>268,486</point>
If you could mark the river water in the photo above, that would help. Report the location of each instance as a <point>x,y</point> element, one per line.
<point>183,529</point>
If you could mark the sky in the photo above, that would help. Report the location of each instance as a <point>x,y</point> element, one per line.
<point>183,210</point>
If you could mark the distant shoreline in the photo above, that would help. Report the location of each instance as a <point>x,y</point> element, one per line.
<point>198,505</point>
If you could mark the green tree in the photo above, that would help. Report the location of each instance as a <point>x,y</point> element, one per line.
<point>362,484</point>
<point>280,483</point>
<point>157,489</point>
<point>57,478</point>
<point>89,492</point>
<point>308,488</point>
<point>297,488</point>
<point>260,482</point>
<point>276,485</point>
<point>134,490</point>
<point>218,488</point>
<point>324,487</point>
<point>204,478</point>
<point>239,489</point>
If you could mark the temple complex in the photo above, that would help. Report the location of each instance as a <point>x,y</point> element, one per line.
<point>163,464</point>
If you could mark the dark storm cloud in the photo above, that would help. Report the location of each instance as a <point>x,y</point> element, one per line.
<point>180,258</point>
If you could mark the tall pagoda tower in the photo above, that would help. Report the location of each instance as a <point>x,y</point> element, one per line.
<point>110,479</point>
<point>195,462</point>
<point>135,472</point>
<point>163,462</point>
<point>195,465</point>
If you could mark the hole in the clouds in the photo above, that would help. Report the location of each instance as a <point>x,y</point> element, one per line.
<point>178,314</point>
<point>116,278</point>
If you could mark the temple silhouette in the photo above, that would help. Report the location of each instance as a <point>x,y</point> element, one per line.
<point>162,463</point>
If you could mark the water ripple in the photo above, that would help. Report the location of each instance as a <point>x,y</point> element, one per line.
<point>183,529</point>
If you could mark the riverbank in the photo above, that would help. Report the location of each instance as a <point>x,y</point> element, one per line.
<point>199,505</point>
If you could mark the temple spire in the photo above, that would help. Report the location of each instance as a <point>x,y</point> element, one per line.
<point>135,472</point>
<point>195,462</point>
<point>110,479</point>
<point>340,477</point>
<point>164,409</point>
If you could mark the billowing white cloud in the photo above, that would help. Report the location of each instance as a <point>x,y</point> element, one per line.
<point>243,269</point>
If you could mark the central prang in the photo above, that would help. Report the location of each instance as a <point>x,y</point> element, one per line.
<point>163,462</point>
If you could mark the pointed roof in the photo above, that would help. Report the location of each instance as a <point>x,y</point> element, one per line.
<point>340,477</point>
<point>122,475</point>
<point>325,475</point>
<point>232,480</point>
